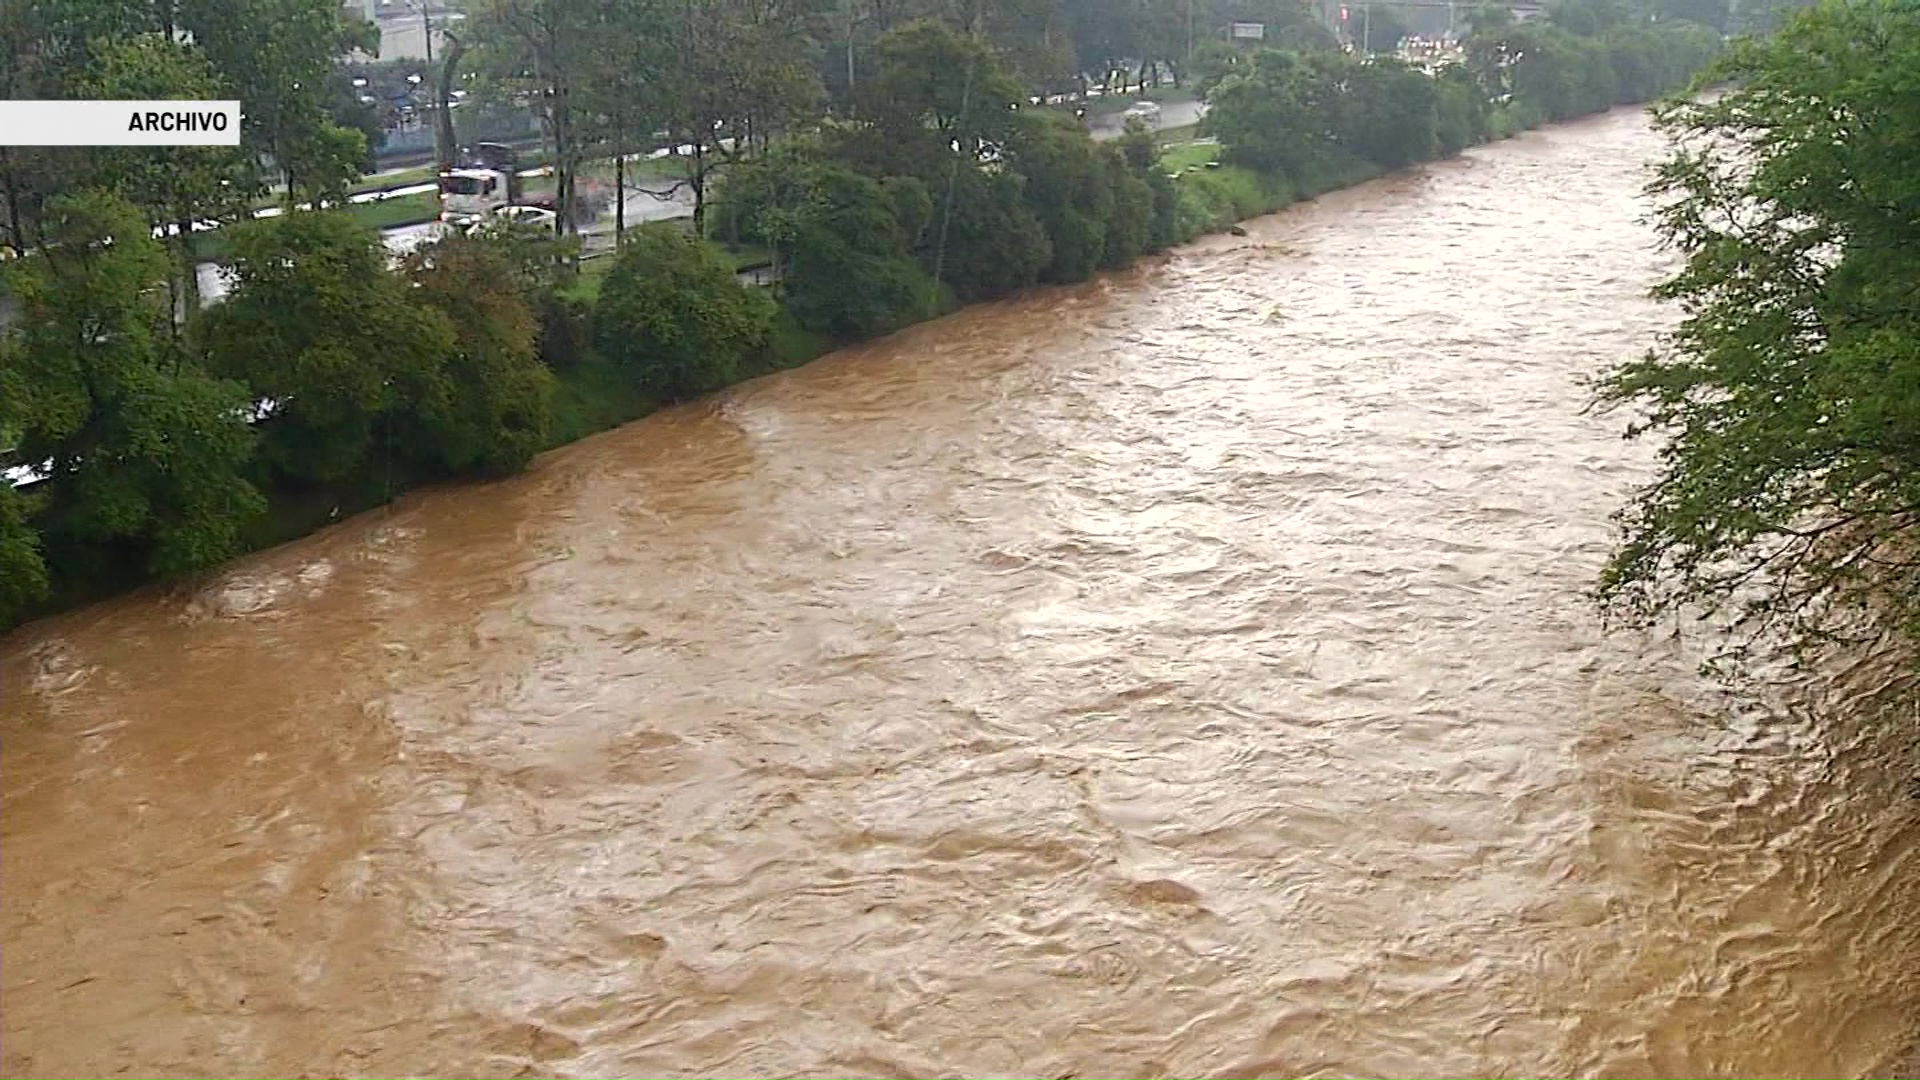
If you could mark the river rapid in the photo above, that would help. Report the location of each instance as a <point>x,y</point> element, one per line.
<point>1186,673</point>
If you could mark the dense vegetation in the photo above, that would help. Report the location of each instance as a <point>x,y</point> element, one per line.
<point>173,437</point>
<point>1790,395</point>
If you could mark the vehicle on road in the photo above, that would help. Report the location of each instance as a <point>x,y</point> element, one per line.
<point>524,217</point>
<point>1144,111</point>
<point>487,181</point>
<point>469,196</point>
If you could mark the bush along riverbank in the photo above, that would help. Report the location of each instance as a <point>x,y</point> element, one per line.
<point>329,381</point>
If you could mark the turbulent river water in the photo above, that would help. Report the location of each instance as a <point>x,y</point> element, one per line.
<point>1185,673</point>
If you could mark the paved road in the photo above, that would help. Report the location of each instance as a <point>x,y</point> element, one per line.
<point>641,207</point>
<point>1173,114</point>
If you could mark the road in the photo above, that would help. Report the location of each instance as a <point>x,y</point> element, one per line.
<point>595,238</point>
<point>641,207</point>
<point>1173,114</point>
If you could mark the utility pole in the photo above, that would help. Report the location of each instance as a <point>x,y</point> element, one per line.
<point>1188,70</point>
<point>849,52</point>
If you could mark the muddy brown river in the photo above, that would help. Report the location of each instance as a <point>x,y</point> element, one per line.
<point>1188,673</point>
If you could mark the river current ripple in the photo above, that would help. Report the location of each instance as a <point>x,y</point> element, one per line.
<point>1187,673</point>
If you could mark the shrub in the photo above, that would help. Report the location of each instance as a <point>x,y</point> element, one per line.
<point>672,313</point>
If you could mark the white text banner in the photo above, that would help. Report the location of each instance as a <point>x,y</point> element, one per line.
<point>119,123</point>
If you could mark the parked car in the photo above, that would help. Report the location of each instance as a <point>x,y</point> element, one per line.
<point>517,217</point>
<point>1144,111</point>
<point>528,215</point>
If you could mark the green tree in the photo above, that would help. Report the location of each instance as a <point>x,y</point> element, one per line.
<point>931,77</point>
<point>1713,14</point>
<point>139,444</point>
<point>1460,111</point>
<point>1213,61</point>
<point>940,114</point>
<point>1490,19</point>
<point>624,95</point>
<point>499,405</point>
<point>1095,209</point>
<point>317,323</point>
<point>1387,113</point>
<point>841,240</point>
<point>541,51</point>
<point>1290,24</point>
<point>277,57</point>
<point>672,312</point>
<point>1586,18</point>
<point>23,572</point>
<point>738,73</point>
<point>174,186</point>
<point>1790,394</point>
<point>1267,120</point>
<point>1067,189</point>
<point>1140,154</point>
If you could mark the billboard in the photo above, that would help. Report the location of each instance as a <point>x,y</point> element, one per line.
<point>1249,31</point>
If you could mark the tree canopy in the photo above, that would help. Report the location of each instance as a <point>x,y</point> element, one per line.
<point>1789,396</point>
<point>673,315</point>
<point>140,445</point>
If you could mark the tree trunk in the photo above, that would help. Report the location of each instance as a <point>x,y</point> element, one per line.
<point>619,194</point>
<point>448,147</point>
<point>697,181</point>
<point>17,236</point>
<point>176,305</point>
<point>564,156</point>
<point>184,259</point>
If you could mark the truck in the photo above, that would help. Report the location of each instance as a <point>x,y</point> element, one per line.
<point>486,182</point>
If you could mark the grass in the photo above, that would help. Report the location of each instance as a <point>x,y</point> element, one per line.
<point>211,246</point>
<point>1216,198</point>
<point>643,171</point>
<point>791,345</point>
<point>593,271</point>
<point>414,209</point>
<point>597,394</point>
<point>745,255</point>
<point>592,396</point>
<point>1190,155</point>
<point>388,213</point>
<point>423,174</point>
<point>586,285</point>
<point>1107,104</point>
